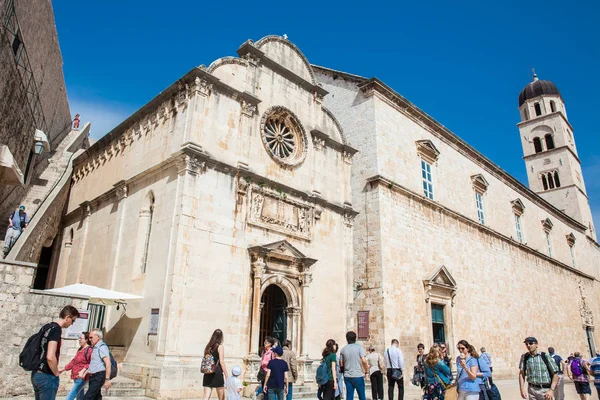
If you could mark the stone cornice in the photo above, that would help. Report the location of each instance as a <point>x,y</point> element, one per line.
<point>330,142</point>
<point>196,80</point>
<point>207,161</point>
<point>566,187</point>
<point>374,86</point>
<point>554,150</point>
<point>378,179</point>
<point>248,48</point>
<point>544,117</point>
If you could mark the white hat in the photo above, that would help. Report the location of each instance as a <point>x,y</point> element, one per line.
<point>236,371</point>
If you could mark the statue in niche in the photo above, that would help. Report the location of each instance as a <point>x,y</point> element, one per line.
<point>302,225</point>
<point>257,205</point>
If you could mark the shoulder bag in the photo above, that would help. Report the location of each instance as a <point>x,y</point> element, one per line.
<point>488,392</point>
<point>450,391</point>
<point>396,372</point>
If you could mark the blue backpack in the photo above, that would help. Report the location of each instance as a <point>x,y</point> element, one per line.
<point>322,376</point>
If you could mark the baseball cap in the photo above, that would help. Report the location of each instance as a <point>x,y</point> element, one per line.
<point>236,371</point>
<point>530,339</point>
<point>278,350</point>
<point>21,207</point>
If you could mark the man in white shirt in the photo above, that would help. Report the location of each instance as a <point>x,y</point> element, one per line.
<point>394,362</point>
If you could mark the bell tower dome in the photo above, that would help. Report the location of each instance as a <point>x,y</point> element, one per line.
<point>550,154</point>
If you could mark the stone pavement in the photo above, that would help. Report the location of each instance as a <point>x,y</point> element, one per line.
<point>508,388</point>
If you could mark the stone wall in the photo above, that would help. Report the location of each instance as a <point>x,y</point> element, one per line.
<point>17,128</point>
<point>22,313</point>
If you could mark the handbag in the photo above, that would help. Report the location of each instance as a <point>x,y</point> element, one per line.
<point>488,392</point>
<point>450,391</point>
<point>396,372</point>
<point>381,363</point>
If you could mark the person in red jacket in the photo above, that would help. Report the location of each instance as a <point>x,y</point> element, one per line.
<point>79,366</point>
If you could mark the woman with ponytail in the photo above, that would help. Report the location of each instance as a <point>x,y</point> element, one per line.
<point>467,372</point>
<point>330,360</point>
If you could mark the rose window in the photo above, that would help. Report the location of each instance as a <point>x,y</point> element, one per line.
<point>280,139</point>
<point>283,136</point>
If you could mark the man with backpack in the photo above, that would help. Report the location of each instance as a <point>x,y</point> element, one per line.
<point>578,371</point>
<point>100,367</point>
<point>41,353</point>
<point>560,388</point>
<point>541,373</point>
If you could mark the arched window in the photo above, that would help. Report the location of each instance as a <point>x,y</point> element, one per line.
<point>549,142</point>
<point>537,144</point>
<point>556,180</point>
<point>544,182</point>
<point>550,181</point>
<point>552,106</point>
<point>525,113</point>
<point>538,109</point>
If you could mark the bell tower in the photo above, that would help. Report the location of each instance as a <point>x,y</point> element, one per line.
<point>550,153</point>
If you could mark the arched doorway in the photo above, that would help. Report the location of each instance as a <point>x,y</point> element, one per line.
<point>273,320</point>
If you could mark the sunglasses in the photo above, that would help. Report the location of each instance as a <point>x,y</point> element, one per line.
<point>461,347</point>
<point>530,343</point>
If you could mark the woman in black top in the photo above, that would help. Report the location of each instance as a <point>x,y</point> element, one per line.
<point>217,379</point>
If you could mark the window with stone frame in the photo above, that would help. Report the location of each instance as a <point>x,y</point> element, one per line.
<point>552,106</point>
<point>480,211</point>
<point>428,154</point>
<point>427,179</point>
<point>547,227</point>
<point>480,186</point>
<point>538,109</point>
<point>518,208</point>
<point>519,228</point>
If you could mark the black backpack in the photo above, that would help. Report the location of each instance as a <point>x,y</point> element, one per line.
<point>33,353</point>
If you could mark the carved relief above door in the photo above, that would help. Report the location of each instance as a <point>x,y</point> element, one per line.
<point>279,212</point>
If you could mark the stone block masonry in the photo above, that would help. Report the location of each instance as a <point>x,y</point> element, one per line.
<point>22,313</point>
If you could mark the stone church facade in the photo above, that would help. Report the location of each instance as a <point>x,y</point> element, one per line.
<point>265,196</point>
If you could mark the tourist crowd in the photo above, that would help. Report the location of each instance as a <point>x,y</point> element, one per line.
<point>342,371</point>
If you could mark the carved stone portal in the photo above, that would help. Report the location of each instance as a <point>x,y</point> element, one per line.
<point>271,210</point>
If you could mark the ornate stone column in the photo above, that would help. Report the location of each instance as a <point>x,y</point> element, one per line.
<point>294,327</point>
<point>258,269</point>
<point>305,281</point>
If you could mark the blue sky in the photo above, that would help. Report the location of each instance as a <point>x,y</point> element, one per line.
<point>464,63</point>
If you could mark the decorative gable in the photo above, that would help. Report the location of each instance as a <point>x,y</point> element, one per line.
<point>517,206</point>
<point>282,252</point>
<point>571,239</point>
<point>480,184</point>
<point>427,150</point>
<point>547,224</point>
<point>440,285</point>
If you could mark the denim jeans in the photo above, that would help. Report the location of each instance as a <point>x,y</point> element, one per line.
<point>45,386</point>
<point>355,383</point>
<point>275,394</point>
<point>289,395</point>
<point>77,391</point>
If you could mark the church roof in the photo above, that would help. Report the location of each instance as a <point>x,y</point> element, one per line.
<point>537,88</point>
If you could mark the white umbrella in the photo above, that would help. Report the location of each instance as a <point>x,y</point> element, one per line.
<point>95,294</point>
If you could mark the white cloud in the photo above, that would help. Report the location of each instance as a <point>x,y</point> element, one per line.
<point>103,116</point>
